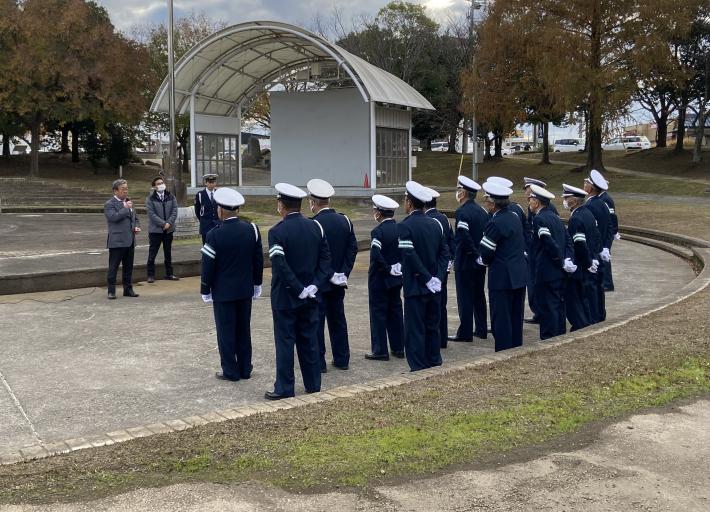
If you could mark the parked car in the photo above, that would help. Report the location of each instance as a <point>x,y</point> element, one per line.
<point>439,146</point>
<point>568,145</point>
<point>628,143</point>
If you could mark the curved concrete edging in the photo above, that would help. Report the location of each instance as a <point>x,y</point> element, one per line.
<point>702,281</point>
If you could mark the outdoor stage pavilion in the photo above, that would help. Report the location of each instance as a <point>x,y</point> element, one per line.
<point>333,115</point>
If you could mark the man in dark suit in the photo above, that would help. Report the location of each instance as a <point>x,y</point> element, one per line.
<point>162,208</point>
<point>122,228</point>
<point>424,262</point>
<point>232,273</point>
<point>343,249</point>
<point>205,206</point>
<point>471,220</point>
<point>300,264</point>
<point>503,251</point>
<point>384,283</point>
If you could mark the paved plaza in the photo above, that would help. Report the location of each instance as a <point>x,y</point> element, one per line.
<point>74,364</point>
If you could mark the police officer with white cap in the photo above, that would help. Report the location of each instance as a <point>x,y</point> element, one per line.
<point>550,265</point>
<point>581,294</point>
<point>430,210</point>
<point>424,263</point>
<point>300,265</point>
<point>384,283</point>
<point>471,220</point>
<point>604,195</point>
<point>206,207</point>
<point>343,249</point>
<point>594,185</point>
<point>503,251</point>
<point>516,208</point>
<point>232,270</point>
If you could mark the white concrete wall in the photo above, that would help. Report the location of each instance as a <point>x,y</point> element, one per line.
<point>320,135</point>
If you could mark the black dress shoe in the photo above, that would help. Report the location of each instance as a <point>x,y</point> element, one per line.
<point>459,338</point>
<point>399,354</point>
<point>129,293</point>
<point>531,321</point>
<point>112,295</point>
<point>273,395</point>
<point>171,278</point>
<point>222,376</point>
<point>324,370</point>
<point>479,335</point>
<point>345,367</point>
<point>377,357</point>
<point>151,279</point>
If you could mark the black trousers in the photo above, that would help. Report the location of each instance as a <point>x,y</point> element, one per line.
<point>608,281</point>
<point>155,240</point>
<point>332,309</point>
<point>421,331</point>
<point>386,320</point>
<point>471,301</point>
<point>233,322</point>
<point>443,314</point>
<point>507,308</point>
<point>577,303</point>
<point>595,295</point>
<point>549,300</point>
<point>120,256</point>
<point>531,290</point>
<point>297,327</point>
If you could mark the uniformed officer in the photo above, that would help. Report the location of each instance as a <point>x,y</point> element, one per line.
<point>531,295</point>
<point>300,265</point>
<point>516,208</point>
<point>206,207</point>
<point>549,264</point>
<point>431,211</point>
<point>503,251</point>
<point>424,262</point>
<point>594,185</point>
<point>384,283</point>
<point>604,195</point>
<point>582,228</point>
<point>232,270</point>
<point>471,220</point>
<point>343,250</point>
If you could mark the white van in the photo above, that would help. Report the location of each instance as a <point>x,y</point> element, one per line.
<point>627,143</point>
<point>568,145</point>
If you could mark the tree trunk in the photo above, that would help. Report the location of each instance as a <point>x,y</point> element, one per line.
<point>34,157</point>
<point>74,144</point>
<point>65,139</point>
<point>680,129</point>
<point>5,146</point>
<point>499,146</point>
<point>596,95</point>
<point>586,131</point>
<point>699,136</point>
<point>487,148</point>
<point>545,143</point>
<point>452,139</point>
<point>662,130</point>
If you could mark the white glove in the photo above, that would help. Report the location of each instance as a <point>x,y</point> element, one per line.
<point>569,266</point>
<point>605,255</point>
<point>434,285</point>
<point>479,260</point>
<point>257,292</point>
<point>595,266</point>
<point>396,269</point>
<point>450,266</point>
<point>339,279</point>
<point>617,236</point>
<point>207,298</point>
<point>312,290</point>
<point>304,293</point>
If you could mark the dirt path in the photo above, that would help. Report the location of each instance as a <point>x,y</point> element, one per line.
<point>656,461</point>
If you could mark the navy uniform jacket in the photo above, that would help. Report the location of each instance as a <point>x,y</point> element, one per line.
<point>548,247</point>
<point>601,213</point>
<point>299,258</point>
<point>527,225</point>
<point>384,252</point>
<point>341,241</point>
<point>471,220</point>
<point>612,211</point>
<point>503,250</point>
<point>206,212</point>
<point>424,252</point>
<point>448,232</point>
<point>232,261</point>
<point>582,228</point>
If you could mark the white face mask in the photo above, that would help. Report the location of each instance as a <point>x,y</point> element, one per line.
<point>161,187</point>
<point>565,204</point>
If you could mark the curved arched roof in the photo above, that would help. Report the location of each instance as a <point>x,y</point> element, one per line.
<point>233,64</point>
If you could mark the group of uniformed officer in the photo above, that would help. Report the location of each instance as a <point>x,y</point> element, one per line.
<point>564,269</point>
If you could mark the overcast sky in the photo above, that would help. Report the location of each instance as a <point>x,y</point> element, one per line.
<point>126,13</point>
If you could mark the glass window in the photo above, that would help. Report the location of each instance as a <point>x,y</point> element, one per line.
<point>392,156</point>
<point>214,155</point>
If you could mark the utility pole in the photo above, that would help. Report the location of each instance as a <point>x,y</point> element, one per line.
<point>174,173</point>
<point>476,5</point>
